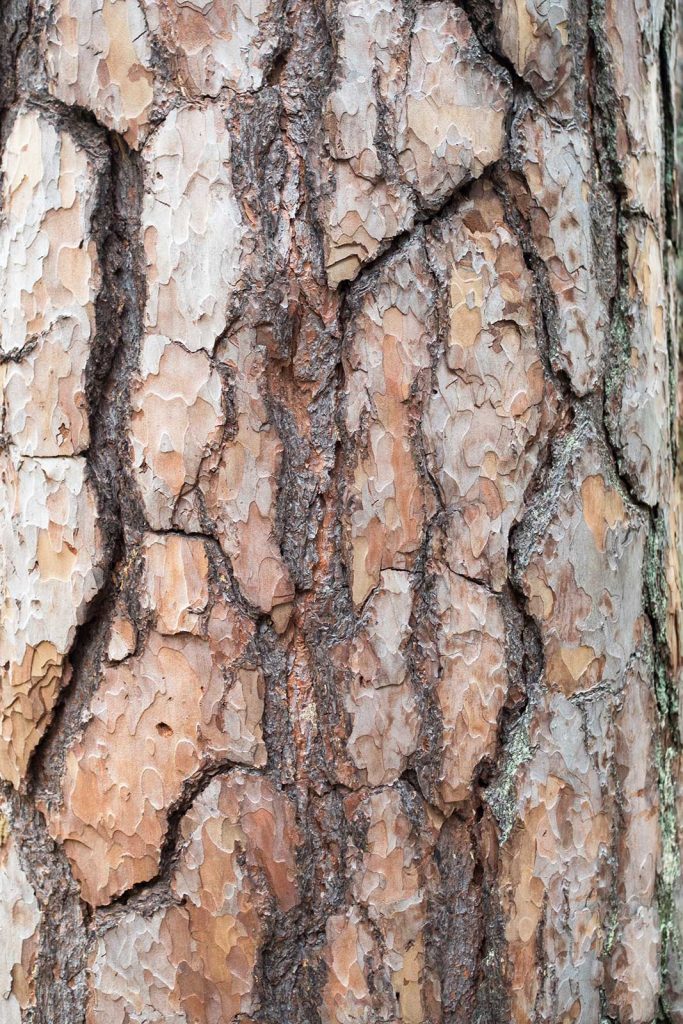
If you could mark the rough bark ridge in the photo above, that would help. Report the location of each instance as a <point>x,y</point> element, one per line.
<point>341,615</point>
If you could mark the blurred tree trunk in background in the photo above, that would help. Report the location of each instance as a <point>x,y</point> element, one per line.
<point>341,614</point>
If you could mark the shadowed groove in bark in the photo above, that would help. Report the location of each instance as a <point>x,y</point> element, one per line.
<point>60,978</point>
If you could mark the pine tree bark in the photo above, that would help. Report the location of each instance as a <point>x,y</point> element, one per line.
<point>341,624</point>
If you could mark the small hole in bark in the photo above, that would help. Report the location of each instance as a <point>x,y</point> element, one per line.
<point>163,729</point>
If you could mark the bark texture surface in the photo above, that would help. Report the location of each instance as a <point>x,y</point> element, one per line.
<point>340,525</point>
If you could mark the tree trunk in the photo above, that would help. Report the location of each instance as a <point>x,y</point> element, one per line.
<point>341,615</point>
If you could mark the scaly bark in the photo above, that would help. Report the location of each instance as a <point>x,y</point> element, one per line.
<point>341,639</point>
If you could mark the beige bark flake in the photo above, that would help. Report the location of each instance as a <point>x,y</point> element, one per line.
<point>379,700</point>
<point>554,874</point>
<point>192,228</point>
<point>451,122</point>
<point>122,639</point>
<point>99,57</point>
<point>556,163</point>
<point>582,578</point>
<point>490,407</point>
<point>177,418</point>
<point>472,680</point>
<point>191,697</point>
<point>535,36</point>
<point>51,545</point>
<point>633,973</point>
<point>195,963</point>
<point>349,947</point>
<point>217,44</point>
<point>633,29</point>
<point>239,483</point>
<point>48,284</point>
<point>361,215</point>
<point>363,209</point>
<point>132,977</point>
<point>176,582</point>
<point>640,402</point>
<point>387,357</point>
<point>19,926</point>
<point>51,554</point>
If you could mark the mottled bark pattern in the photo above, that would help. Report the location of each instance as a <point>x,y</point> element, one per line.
<point>341,634</point>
